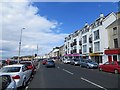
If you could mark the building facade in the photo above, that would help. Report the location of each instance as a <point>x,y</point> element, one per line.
<point>113,50</point>
<point>91,40</point>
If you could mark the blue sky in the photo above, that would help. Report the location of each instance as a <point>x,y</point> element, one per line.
<point>73,15</point>
<point>46,24</point>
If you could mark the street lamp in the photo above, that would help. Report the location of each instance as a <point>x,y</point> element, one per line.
<point>20,46</point>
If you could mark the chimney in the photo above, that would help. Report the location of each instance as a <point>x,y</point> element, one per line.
<point>86,24</point>
<point>101,15</point>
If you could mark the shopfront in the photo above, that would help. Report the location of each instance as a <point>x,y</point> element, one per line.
<point>97,57</point>
<point>113,54</point>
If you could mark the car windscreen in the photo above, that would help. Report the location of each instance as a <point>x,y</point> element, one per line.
<point>90,61</point>
<point>10,69</point>
<point>26,63</point>
<point>76,60</point>
<point>50,61</point>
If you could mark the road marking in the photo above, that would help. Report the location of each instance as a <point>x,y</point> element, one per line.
<point>26,87</point>
<point>38,66</point>
<point>93,83</point>
<point>68,71</point>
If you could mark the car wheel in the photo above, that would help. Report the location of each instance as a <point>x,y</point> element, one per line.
<point>116,71</point>
<point>100,69</point>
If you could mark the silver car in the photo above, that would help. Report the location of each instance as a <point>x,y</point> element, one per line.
<point>7,82</point>
<point>18,72</point>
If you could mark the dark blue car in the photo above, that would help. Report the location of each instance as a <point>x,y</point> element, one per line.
<point>50,63</point>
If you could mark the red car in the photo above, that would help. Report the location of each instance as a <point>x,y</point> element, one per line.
<point>44,62</point>
<point>29,65</point>
<point>113,66</point>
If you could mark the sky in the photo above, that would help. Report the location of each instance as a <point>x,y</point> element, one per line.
<point>46,24</point>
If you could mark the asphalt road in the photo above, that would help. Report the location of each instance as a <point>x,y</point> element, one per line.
<point>69,76</point>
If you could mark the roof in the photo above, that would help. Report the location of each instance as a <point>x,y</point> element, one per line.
<point>4,74</point>
<point>15,65</point>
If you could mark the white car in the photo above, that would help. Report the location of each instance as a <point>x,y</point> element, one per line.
<point>7,82</point>
<point>66,61</point>
<point>18,72</point>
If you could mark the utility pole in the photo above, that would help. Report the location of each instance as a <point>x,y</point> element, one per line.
<point>20,46</point>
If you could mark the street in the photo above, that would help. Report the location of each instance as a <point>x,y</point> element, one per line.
<point>69,76</point>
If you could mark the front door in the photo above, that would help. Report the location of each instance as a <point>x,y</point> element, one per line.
<point>109,58</point>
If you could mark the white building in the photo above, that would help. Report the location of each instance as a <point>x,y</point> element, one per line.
<point>92,39</point>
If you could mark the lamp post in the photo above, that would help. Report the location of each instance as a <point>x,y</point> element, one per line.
<point>20,45</point>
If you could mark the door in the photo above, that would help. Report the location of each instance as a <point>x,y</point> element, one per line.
<point>109,58</point>
<point>112,67</point>
<point>106,66</point>
<point>25,73</point>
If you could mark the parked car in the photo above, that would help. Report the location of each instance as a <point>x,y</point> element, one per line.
<point>44,62</point>
<point>113,66</point>
<point>75,62</point>
<point>29,65</point>
<point>19,73</point>
<point>7,82</point>
<point>66,61</point>
<point>50,63</point>
<point>88,63</point>
<point>13,62</point>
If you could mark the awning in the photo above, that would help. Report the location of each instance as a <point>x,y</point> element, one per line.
<point>68,55</point>
<point>94,54</point>
<point>112,51</point>
<point>76,54</point>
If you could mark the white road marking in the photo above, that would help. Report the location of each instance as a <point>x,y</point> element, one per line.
<point>38,66</point>
<point>26,88</point>
<point>68,71</point>
<point>93,83</point>
<point>58,67</point>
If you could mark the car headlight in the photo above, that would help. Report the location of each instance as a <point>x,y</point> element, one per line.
<point>75,62</point>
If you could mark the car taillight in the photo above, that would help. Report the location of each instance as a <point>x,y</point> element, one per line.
<point>16,77</point>
<point>30,67</point>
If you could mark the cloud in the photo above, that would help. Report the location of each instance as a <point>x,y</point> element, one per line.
<point>38,29</point>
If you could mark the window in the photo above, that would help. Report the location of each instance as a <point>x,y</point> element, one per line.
<point>90,50</point>
<point>116,43</point>
<point>75,42</point>
<point>97,46</point>
<point>96,35</point>
<point>11,69</point>
<point>115,57</point>
<point>84,48</point>
<point>114,30</point>
<point>5,80</point>
<point>85,39</point>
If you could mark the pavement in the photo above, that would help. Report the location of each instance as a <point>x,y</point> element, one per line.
<point>70,76</point>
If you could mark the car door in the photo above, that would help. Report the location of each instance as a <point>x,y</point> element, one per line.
<point>112,66</point>
<point>84,63</point>
<point>105,66</point>
<point>25,72</point>
<point>108,66</point>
